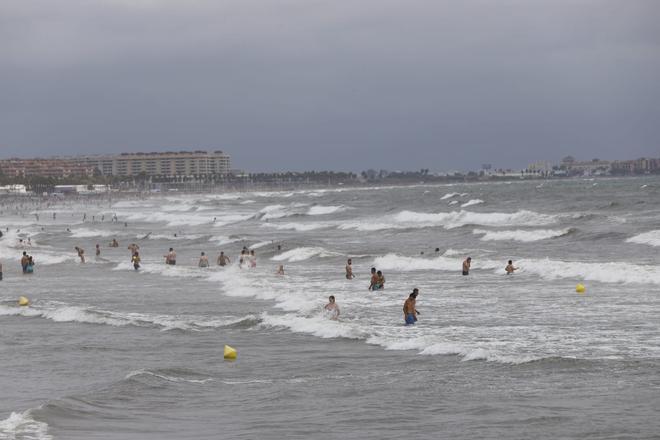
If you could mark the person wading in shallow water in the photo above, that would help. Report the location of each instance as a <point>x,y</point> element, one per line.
<point>466,266</point>
<point>409,308</point>
<point>332,309</point>
<point>349,269</point>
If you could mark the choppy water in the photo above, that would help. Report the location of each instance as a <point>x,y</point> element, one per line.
<point>105,352</point>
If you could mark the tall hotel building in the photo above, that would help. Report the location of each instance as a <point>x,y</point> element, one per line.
<point>184,163</point>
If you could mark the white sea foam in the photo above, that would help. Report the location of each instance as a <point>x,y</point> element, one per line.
<point>88,233</point>
<point>453,219</point>
<point>23,426</point>
<point>651,238</point>
<point>453,202</point>
<point>301,227</point>
<point>280,211</point>
<point>324,210</point>
<point>260,244</point>
<point>166,377</point>
<point>303,253</point>
<point>317,325</point>
<point>608,272</point>
<point>520,234</point>
<point>472,202</point>
<point>86,315</point>
<point>448,196</point>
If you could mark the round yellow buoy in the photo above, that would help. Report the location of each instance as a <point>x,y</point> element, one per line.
<point>23,301</point>
<point>580,288</point>
<point>230,352</point>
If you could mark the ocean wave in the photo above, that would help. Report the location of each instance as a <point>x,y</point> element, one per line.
<point>324,210</point>
<point>472,202</point>
<point>448,196</point>
<point>651,238</point>
<point>318,325</point>
<point>168,376</point>
<point>610,272</point>
<point>427,345</point>
<point>87,315</point>
<point>88,233</point>
<point>300,227</point>
<point>607,272</point>
<point>303,253</point>
<point>23,426</point>
<point>453,219</point>
<point>279,211</point>
<point>521,234</point>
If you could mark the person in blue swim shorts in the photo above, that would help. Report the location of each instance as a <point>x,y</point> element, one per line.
<point>409,308</point>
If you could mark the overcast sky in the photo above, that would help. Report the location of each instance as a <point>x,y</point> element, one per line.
<point>333,84</point>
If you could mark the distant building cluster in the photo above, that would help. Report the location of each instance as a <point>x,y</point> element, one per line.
<point>569,166</point>
<point>168,164</point>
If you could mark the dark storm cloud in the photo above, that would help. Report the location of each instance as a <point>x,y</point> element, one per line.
<point>333,84</point>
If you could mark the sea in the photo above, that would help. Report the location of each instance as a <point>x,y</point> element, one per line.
<point>107,352</point>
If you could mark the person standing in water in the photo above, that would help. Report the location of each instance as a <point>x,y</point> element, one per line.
<point>509,268</point>
<point>170,257</point>
<point>374,278</point>
<point>223,259</point>
<point>280,270</point>
<point>203,260</point>
<point>466,266</point>
<point>409,308</point>
<point>380,284</point>
<point>349,269</point>
<point>332,309</point>
<point>81,253</point>
<point>135,259</point>
<point>98,250</point>
<point>24,261</point>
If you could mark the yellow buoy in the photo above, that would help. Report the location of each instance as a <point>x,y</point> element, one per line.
<point>230,352</point>
<point>23,301</point>
<point>580,288</point>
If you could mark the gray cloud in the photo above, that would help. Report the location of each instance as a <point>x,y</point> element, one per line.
<point>313,84</point>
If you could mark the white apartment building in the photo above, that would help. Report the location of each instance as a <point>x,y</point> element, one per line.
<point>169,164</point>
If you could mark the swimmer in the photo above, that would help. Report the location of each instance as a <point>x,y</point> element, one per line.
<point>509,268</point>
<point>98,250</point>
<point>203,260</point>
<point>252,259</point>
<point>223,259</point>
<point>349,269</point>
<point>135,259</point>
<point>114,243</point>
<point>24,261</point>
<point>374,278</point>
<point>133,248</point>
<point>0,270</point>
<point>380,285</point>
<point>280,270</point>
<point>81,253</point>
<point>332,308</point>
<point>466,266</point>
<point>409,308</point>
<point>170,257</point>
<point>30,265</point>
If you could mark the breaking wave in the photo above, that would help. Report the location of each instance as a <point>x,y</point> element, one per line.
<point>453,219</point>
<point>303,253</point>
<point>651,238</point>
<point>23,426</point>
<point>472,202</point>
<point>521,234</point>
<point>87,315</point>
